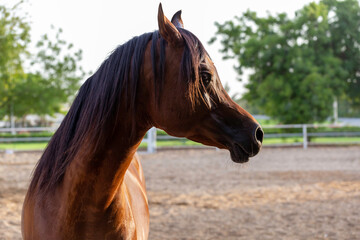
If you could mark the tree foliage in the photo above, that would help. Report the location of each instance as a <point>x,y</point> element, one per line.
<point>54,78</point>
<point>301,64</point>
<point>53,74</point>
<point>14,38</point>
<point>344,27</point>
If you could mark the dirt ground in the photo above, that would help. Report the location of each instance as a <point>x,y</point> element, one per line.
<point>283,193</point>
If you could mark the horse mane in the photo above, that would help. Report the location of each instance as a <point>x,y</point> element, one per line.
<point>94,111</point>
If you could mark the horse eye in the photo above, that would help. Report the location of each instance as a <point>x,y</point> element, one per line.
<point>206,78</point>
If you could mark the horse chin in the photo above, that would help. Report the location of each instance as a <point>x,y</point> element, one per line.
<point>238,155</point>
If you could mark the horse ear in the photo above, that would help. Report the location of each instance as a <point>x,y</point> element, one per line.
<point>168,31</point>
<point>177,21</point>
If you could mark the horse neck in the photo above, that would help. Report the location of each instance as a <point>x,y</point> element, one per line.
<point>97,178</point>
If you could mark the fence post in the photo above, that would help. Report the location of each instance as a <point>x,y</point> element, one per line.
<point>305,142</point>
<point>12,120</point>
<point>151,144</point>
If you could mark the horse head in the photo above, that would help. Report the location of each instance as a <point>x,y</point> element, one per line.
<point>191,101</point>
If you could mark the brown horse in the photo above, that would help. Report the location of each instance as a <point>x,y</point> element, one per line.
<point>89,183</point>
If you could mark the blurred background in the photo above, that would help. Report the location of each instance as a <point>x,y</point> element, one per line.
<point>294,65</point>
<point>288,63</point>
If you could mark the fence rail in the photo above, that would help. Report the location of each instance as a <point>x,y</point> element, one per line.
<point>152,138</point>
<point>28,129</point>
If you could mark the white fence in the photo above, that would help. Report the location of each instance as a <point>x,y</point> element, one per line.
<point>305,134</point>
<point>152,137</point>
<point>150,140</point>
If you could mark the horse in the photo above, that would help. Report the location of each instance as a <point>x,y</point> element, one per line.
<point>89,183</point>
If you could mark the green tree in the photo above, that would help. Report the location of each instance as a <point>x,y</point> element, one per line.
<point>52,79</point>
<point>56,77</point>
<point>344,24</point>
<point>14,39</point>
<point>297,74</point>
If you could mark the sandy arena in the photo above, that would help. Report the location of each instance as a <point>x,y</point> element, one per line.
<point>287,193</point>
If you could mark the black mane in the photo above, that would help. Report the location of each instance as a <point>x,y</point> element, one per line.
<point>96,106</point>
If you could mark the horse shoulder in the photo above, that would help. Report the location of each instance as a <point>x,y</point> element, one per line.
<point>134,182</point>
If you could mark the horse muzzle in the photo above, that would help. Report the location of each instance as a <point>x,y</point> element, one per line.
<point>241,149</point>
<point>240,152</point>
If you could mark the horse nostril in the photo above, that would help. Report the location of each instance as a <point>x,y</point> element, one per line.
<point>259,135</point>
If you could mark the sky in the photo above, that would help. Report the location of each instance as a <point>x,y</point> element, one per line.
<point>99,26</point>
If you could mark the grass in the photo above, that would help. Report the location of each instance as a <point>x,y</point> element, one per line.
<point>184,142</point>
<point>337,140</point>
<point>174,143</point>
<point>42,145</point>
<point>23,146</point>
<point>322,140</point>
<point>272,141</point>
